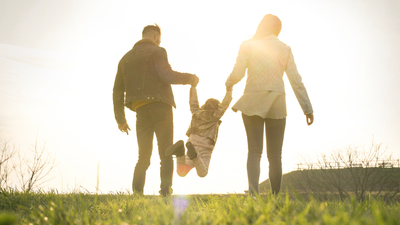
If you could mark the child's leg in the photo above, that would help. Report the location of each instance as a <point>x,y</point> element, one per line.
<point>183,165</point>
<point>202,161</point>
<point>204,147</point>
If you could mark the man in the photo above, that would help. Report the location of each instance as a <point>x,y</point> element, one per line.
<point>143,84</point>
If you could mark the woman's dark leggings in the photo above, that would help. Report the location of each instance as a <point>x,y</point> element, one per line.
<point>274,130</point>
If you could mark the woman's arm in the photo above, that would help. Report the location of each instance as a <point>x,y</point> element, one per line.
<point>297,85</point>
<point>240,67</point>
<point>224,105</point>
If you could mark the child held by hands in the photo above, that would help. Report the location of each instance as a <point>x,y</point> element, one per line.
<point>202,133</point>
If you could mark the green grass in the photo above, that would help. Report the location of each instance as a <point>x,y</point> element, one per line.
<point>79,208</point>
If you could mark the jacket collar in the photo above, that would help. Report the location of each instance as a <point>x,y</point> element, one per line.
<point>144,41</point>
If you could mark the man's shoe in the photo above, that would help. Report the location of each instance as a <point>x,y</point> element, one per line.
<point>177,149</point>
<point>191,150</point>
<point>138,192</point>
<point>165,192</point>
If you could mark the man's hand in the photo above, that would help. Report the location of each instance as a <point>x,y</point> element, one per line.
<point>310,118</point>
<point>124,128</point>
<point>195,81</point>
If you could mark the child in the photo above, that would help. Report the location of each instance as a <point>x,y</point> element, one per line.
<point>202,133</point>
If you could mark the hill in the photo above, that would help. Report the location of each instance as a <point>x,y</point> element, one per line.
<point>345,180</point>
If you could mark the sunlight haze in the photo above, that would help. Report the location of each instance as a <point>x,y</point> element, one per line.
<point>58,61</point>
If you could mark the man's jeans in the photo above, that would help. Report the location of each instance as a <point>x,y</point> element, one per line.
<point>154,118</point>
<point>274,129</point>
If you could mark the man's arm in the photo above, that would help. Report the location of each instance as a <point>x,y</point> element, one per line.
<point>118,97</point>
<point>168,75</point>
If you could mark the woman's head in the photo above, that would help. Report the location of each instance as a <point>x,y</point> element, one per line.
<point>211,104</point>
<point>270,24</point>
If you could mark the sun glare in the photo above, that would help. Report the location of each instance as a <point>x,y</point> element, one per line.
<point>58,66</point>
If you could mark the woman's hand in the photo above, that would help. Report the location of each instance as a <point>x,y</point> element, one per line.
<point>310,118</point>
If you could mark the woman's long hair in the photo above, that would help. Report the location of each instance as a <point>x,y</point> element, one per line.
<point>270,24</point>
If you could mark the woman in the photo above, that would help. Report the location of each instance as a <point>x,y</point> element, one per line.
<point>266,59</point>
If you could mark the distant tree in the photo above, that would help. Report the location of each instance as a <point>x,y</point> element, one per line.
<point>6,154</point>
<point>352,171</point>
<point>32,171</point>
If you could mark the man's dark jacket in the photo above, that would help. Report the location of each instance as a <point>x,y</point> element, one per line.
<point>144,73</point>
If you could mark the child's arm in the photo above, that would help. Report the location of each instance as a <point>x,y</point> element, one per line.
<point>224,104</point>
<point>193,100</point>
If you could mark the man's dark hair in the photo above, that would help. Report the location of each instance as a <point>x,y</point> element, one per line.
<point>148,28</point>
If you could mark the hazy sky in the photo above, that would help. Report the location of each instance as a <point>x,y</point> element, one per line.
<point>58,61</point>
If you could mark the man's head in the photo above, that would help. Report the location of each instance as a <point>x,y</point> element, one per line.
<point>270,24</point>
<point>152,32</point>
<point>211,104</point>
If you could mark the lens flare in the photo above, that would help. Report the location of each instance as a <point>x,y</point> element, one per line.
<point>180,203</point>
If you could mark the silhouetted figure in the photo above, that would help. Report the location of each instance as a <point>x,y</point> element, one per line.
<point>143,84</point>
<point>263,103</point>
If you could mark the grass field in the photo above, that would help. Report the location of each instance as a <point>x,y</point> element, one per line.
<point>123,209</point>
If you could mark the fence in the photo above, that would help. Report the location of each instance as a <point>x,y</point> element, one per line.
<point>341,165</point>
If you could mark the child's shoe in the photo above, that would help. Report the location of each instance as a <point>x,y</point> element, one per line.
<point>183,170</point>
<point>176,149</point>
<point>191,150</point>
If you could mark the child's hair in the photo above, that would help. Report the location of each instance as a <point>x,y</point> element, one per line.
<point>211,104</point>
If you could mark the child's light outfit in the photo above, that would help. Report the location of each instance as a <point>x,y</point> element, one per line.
<point>203,134</point>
